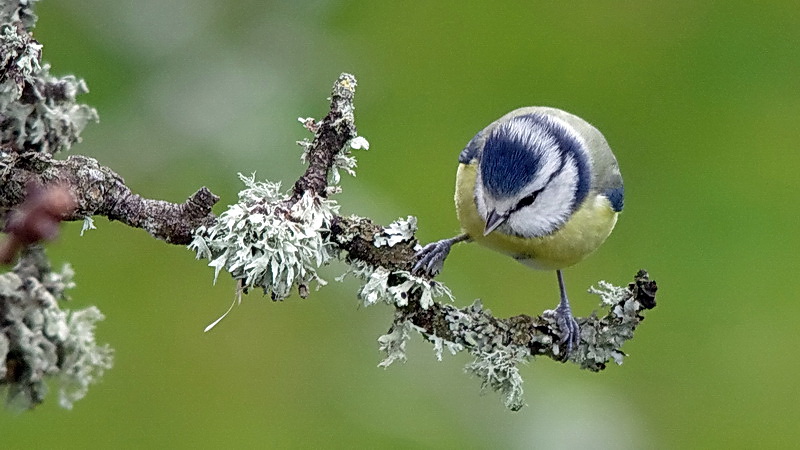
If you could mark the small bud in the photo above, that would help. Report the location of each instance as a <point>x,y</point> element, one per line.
<point>36,219</point>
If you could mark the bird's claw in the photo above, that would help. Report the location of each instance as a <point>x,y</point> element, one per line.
<point>430,259</point>
<point>569,329</point>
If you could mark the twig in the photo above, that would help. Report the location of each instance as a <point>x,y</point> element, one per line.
<point>335,130</point>
<point>98,190</point>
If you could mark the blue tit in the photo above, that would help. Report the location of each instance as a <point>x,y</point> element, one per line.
<point>540,185</point>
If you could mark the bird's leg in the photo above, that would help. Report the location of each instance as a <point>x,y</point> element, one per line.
<point>571,332</point>
<point>431,258</point>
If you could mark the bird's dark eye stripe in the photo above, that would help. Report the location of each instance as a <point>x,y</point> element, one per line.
<point>527,200</point>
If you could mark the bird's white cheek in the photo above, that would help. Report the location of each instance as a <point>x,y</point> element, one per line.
<point>480,203</point>
<point>547,214</point>
<point>530,222</point>
<point>553,205</point>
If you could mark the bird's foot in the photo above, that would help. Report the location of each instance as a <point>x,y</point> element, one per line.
<point>569,329</point>
<point>430,259</point>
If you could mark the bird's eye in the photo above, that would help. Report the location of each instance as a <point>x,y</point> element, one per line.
<point>527,200</point>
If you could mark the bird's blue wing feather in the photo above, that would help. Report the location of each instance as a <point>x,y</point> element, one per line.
<point>617,198</point>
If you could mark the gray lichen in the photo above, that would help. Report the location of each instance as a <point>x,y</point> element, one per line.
<point>602,338</point>
<point>38,340</point>
<point>393,286</point>
<point>500,346</point>
<point>38,112</point>
<point>343,160</point>
<point>277,240</point>
<point>394,342</point>
<point>266,245</point>
<point>18,11</point>
<point>19,59</point>
<point>41,342</point>
<point>498,370</point>
<point>401,230</point>
<point>396,287</point>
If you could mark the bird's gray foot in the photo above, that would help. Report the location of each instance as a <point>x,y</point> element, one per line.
<point>569,328</point>
<point>567,325</point>
<point>430,259</point>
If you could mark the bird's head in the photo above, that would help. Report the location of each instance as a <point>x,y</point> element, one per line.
<point>533,173</point>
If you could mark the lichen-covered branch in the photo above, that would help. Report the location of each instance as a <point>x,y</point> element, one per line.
<point>498,345</point>
<point>38,340</point>
<point>277,241</point>
<point>356,236</point>
<point>38,112</point>
<point>99,191</point>
<point>330,137</point>
<point>540,334</point>
<point>39,117</point>
<point>271,239</point>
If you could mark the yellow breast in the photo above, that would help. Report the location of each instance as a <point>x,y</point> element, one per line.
<point>588,227</point>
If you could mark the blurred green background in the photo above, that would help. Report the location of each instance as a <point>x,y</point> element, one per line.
<point>699,101</point>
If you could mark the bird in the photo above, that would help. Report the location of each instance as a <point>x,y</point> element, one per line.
<point>541,185</point>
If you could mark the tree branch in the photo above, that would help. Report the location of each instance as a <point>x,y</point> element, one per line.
<point>268,239</point>
<point>498,345</point>
<point>331,135</point>
<point>99,191</point>
<point>276,242</point>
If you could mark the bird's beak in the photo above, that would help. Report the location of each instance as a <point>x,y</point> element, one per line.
<point>493,221</point>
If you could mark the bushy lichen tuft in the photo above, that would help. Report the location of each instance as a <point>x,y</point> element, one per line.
<point>499,371</point>
<point>19,62</point>
<point>394,342</point>
<point>395,287</point>
<point>38,112</point>
<point>496,356</point>
<point>84,361</point>
<point>440,344</point>
<point>602,338</point>
<point>268,241</point>
<point>401,230</point>
<point>48,120</point>
<point>40,341</point>
<point>18,11</point>
<point>609,294</point>
<point>265,245</point>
